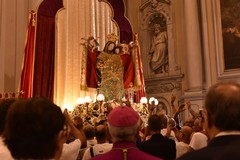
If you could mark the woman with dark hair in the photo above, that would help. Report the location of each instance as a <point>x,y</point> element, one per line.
<point>35,129</point>
<point>109,47</point>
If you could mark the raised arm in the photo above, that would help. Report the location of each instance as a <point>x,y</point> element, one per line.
<point>77,132</point>
<point>173,99</point>
<point>193,113</point>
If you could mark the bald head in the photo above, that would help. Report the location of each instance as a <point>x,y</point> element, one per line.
<point>189,122</point>
<point>186,134</point>
<point>197,125</point>
<point>100,128</point>
<point>222,103</point>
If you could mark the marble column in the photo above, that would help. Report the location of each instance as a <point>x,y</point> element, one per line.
<point>194,70</point>
<point>207,27</point>
<point>193,56</point>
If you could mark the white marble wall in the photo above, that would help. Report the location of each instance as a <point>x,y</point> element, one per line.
<point>13,27</point>
<point>11,34</point>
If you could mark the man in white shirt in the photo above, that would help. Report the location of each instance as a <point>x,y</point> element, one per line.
<point>199,138</point>
<point>184,137</point>
<point>89,131</point>
<point>198,141</point>
<point>102,145</point>
<point>71,150</point>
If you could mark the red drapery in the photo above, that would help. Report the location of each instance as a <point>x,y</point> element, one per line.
<point>27,70</point>
<point>91,73</point>
<point>43,80</point>
<point>125,28</point>
<point>129,73</point>
<point>140,93</point>
<point>38,80</point>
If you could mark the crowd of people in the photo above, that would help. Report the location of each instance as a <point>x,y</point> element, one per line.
<point>36,128</point>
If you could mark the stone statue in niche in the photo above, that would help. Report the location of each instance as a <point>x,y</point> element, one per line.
<point>158,53</point>
<point>160,109</point>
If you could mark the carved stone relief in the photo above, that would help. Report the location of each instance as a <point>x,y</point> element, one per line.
<point>163,88</point>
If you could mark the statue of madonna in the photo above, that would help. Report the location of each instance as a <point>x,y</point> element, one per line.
<point>110,72</point>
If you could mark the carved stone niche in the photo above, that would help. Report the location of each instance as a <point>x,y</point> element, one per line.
<point>161,72</point>
<point>163,88</point>
<point>156,37</point>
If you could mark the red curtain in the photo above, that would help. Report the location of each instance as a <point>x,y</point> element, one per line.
<point>27,70</point>
<point>125,27</point>
<point>43,81</point>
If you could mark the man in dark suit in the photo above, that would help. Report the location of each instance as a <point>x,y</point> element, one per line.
<point>222,104</point>
<point>158,145</point>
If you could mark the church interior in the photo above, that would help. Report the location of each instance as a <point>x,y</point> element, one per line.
<point>181,47</point>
